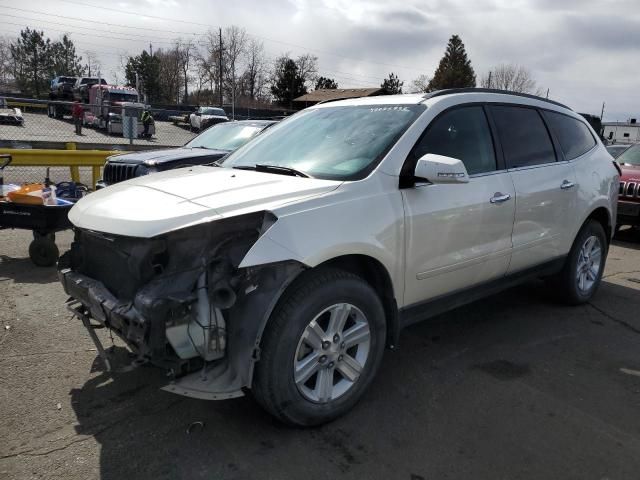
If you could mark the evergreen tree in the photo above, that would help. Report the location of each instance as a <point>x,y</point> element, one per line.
<point>326,83</point>
<point>455,70</point>
<point>147,69</point>
<point>31,53</point>
<point>65,60</point>
<point>392,85</point>
<point>288,83</point>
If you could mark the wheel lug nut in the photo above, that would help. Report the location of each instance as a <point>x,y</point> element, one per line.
<point>326,344</point>
<point>336,338</point>
<point>323,359</point>
<point>331,364</point>
<point>342,345</point>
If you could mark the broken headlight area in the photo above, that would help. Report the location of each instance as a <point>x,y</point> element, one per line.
<point>167,297</point>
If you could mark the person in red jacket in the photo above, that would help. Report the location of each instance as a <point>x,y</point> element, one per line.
<point>77,113</point>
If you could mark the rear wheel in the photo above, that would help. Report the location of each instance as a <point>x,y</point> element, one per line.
<point>581,275</point>
<point>321,349</point>
<point>43,251</point>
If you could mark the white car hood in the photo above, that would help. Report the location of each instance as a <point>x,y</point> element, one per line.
<point>158,203</point>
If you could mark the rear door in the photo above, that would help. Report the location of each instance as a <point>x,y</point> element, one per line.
<point>544,183</point>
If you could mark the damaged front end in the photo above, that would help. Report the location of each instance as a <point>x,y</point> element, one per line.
<point>179,300</point>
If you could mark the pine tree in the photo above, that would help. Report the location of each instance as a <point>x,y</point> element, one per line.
<point>455,70</point>
<point>32,53</point>
<point>147,69</point>
<point>65,60</point>
<point>326,83</point>
<point>288,84</point>
<point>392,85</point>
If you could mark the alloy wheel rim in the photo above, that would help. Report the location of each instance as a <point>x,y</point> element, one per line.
<point>332,352</point>
<point>589,264</point>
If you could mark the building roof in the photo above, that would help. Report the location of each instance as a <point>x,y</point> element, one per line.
<point>620,124</point>
<point>324,94</point>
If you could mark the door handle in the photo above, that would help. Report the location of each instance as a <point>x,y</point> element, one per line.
<point>566,185</point>
<point>499,198</point>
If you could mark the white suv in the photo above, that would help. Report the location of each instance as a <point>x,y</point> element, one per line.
<point>288,267</point>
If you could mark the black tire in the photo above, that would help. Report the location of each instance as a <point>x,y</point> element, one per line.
<point>565,284</point>
<point>43,252</point>
<point>274,386</point>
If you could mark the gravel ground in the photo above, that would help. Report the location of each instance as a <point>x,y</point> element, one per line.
<point>39,126</point>
<point>511,387</point>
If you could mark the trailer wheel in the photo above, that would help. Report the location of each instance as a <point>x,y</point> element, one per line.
<point>43,251</point>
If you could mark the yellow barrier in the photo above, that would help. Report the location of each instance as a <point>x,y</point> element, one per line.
<point>26,105</point>
<point>71,158</point>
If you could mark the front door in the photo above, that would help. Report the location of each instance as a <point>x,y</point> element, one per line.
<point>458,235</point>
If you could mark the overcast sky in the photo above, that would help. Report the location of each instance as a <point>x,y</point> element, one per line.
<point>584,51</point>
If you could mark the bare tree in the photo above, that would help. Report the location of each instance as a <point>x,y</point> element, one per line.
<point>169,74</point>
<point>511,77</point>
<point>308,69</point>
<point>185,51</point>
<point>93,65</point>
<point>208,65</point>
<point>234,43</point>
<point>420,84</point>
<point>254,78</point>
<point>6,67</point>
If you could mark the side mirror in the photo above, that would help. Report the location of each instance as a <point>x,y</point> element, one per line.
<point>437,169</point>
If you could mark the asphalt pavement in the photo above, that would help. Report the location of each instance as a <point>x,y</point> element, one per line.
<point>515,386</point>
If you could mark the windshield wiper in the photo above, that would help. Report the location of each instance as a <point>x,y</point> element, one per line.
<point>261,167</point>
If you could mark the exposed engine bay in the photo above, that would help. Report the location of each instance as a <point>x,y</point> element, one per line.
<point>179,300</point>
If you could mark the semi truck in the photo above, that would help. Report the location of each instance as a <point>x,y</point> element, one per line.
<point>107,106</point>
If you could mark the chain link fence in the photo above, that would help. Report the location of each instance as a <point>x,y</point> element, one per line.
<point>30,123</point>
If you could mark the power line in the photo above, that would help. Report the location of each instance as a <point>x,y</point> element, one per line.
<point>92,29</point>
<point>250,34</point>
<point>66,17</point>
<point>80,33</point>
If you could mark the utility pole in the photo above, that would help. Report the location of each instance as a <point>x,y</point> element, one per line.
<point>220,67</point>
<point>602,112</point>
<point>150,50</point>
<point>547,93</point>
<point>489,81</point>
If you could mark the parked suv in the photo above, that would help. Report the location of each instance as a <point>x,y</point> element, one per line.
<point>204,117</point>
<point>210,146</point>
<point>62,88</point>
<point>288,268</point>
<point>629,202</point>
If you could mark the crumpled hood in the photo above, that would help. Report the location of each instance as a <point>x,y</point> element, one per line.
<point>165,155</point>
<point>155,204</point>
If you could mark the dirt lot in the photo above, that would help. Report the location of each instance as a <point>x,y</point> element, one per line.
<point>514,386</point>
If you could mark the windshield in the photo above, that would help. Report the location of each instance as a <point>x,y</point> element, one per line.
<point>212,111</point>
<point>67,80</point>
<point>225,136</point>
<point>631,156</point>
<point>341,143</point>
<point>123,97</point>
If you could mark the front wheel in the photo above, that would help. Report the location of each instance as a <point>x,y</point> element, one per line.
<point>322,348</point>
<point>581,275</point>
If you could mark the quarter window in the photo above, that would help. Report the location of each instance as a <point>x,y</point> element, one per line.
<point>523,135</point>
<point>574,136</point>
<point>462,133</point>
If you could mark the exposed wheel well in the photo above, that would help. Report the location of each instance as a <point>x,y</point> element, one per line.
<point>376,275</point>
<point>601,215</point>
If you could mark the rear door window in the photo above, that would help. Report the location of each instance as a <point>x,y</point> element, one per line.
<point>523,135</point>
<point>574,136</point>
<point>461,133</point>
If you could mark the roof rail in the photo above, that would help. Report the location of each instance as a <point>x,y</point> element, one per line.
<point>451,91</point>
